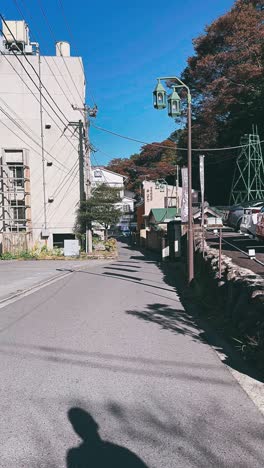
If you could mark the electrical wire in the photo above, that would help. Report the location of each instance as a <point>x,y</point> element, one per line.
<point>36,73</point>
<point>34,95</point>
<point>21,128</point>
<point>37,86</point>
<point>67,179</point>
<point>98,165</point>
<point>30,137</point>
<point>200,150</point>
<point>67,192</point>
<point>54,38</point>
<point>17,117</point>
<point>47,62</point>
<point>64,16</point>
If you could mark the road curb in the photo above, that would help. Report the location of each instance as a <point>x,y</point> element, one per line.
<point>32,289</point>
<point>24,292</point>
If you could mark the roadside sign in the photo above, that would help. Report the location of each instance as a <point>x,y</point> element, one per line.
<point>71,248</point>
<point>184,201</point>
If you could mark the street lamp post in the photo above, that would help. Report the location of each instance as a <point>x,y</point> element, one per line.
<point>160,101</point>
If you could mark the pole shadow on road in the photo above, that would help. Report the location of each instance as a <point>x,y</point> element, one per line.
<point>93,451</point>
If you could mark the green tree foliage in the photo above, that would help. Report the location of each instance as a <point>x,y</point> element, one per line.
<point>226,77</point>
<point>101,208</point>
<point>153,162</point>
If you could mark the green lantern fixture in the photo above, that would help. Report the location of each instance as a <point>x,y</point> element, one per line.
<point>159,97</point>
<point>174,104</point>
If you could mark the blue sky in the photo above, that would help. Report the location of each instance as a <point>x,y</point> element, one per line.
<point>125,45</point>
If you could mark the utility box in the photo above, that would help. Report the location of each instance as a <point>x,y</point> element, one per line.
<point>71,248</point>
<point>174,239</point>
<point>45,233</point>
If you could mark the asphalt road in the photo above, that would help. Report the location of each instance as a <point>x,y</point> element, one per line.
<point>110,354</point>
<point>19,275</point>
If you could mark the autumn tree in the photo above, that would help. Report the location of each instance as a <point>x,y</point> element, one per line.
<point>226,77</point>
<point>156,160</point>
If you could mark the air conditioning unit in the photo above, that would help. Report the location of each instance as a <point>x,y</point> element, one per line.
<point>15,31</point>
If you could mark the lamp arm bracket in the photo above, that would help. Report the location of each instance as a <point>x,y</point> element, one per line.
<point>182,84</point>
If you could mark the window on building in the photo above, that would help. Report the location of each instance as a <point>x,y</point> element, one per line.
<point>126,208</point>
<point>18,212</point>
<point>98,173</point>
<point>16,171</point>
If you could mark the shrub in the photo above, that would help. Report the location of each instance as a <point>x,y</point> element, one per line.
<point>110,245</point>
<point>7,256</point>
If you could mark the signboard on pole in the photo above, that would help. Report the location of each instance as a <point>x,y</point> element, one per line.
<point>201,158</point>
<point>184,201</point>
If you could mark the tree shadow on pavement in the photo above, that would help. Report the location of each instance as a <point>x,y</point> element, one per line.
<point>175,320</point>
<point>93,451</point>
<point>191,321</point>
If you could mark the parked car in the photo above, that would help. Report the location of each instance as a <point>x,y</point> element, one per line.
<point>250,218</point>
<point>126,233</point>
<point>236,213</point>
<point>260,224</point>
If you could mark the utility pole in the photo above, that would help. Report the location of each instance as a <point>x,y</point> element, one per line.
<point>81,162</point>
<point>190,214</point>
<point>79,125</point>
<point>88,112</point>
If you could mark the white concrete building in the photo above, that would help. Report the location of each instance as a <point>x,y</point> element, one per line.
<point>24,174</point>
<point>101,175</point>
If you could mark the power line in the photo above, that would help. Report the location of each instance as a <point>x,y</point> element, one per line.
<point>29,136</point>
<point>97,164</point>
<point>64,181</point>
<point>37,136</point>
<point>64,16</point>
<point>34,95</point>
<point>47,62</point>
<point>26,143</point>
<point>67,178</point>
<point>54,38</point>
<point>67,190</point>
<point>36,73</point>
<point>166,147</point>
<point>37,86</point>
<point>5,56</point>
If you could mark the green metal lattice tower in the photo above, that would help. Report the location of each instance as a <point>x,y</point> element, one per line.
<point>248,181</point>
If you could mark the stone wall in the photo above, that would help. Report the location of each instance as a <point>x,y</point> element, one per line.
<point>238,299</point>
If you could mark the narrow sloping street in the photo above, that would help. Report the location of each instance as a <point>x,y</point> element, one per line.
<point>115,342</point>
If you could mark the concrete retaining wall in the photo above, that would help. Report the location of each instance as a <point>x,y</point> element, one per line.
<point>238,298</point>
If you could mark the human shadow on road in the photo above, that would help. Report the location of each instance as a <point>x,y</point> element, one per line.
<point>93,452</point>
